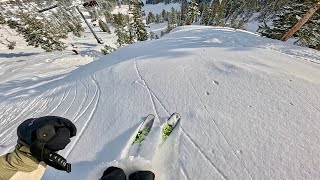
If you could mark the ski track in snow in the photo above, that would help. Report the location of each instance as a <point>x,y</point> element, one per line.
<point>74,86</point>
<point>148,89</point>
<point>156,97</point>
<point>216,124</point>
<point>82,105</point>
<point>182,166</point>
<point>203,154</point>
<point>301,96</point>
<point>64,96</point>
<point>47,105</point>
<point>153,95</point>
<point>27,109</point>
<point>67,94</point>
<point>49,101</point>
<point>91,114</point>
<point>41,104</point>
<point>7,122</point>
<point>184,171</point>
<point>36,110</point>
<point>308,103</point>
<point>90,102</point>
<point>218,128</point>
<point>31,108</point>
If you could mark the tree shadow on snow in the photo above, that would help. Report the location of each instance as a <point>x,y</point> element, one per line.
<point>85,44</point>
<point>14,55</point>
<point>29,88</point>
<point>91,53</point>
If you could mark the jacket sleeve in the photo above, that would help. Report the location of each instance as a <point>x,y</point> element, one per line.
<point>20,164</point>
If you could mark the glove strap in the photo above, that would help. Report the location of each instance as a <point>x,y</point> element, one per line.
<point>49,157</point>
<point>59,162</point>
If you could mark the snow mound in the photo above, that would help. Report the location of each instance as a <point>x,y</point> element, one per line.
<point>249,107</point>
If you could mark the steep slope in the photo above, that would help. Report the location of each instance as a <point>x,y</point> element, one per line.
<point>249,107</point>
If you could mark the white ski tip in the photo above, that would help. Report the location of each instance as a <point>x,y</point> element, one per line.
<point>174,119</point>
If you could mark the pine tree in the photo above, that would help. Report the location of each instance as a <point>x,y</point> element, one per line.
<point>250,7</point>
<point>304,19</point>
<point>217,13</point>
<point>161,19</point>
<point>230,8</point>
<point>131,30</point>
<point>73,26</point>
<point>167,1</point>
<point>138,23</point>
<point>13,24</point>
<point>205,17</point>
<point>105,6</point>
<point>172,20</point>
<point>157,21</point>
<point>308,35</point>
<point>120,23</point>
<point>241,24</point>
<point>184,13</point>
<point>107,50</point>
<point>268,9</point>
<point>108,16</point>
<point>39,32</point>
<point>164,15</point>
<point>178,18</point>
<point>68,20</point>
<point>78,29</point>
<point>233,22</point>
<point>152,35</point>
<point>2,19</point>
<point>150,18</point>
<point>193,12</point>
<point>93,14</point>
<point>11,45</point>
<point>104,27</point>
<point>167,15</point>
<point>162,33</point>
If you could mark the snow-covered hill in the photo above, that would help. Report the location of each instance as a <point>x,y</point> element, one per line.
<point>249,105</point>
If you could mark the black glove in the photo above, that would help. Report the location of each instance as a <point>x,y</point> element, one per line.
<point>45,136</point>
<point>49,157</point>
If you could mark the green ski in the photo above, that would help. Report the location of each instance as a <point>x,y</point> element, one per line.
<point>169,126</point>
<point>141,135</point>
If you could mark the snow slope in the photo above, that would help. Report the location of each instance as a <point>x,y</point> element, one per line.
<point>157,8</point>
<point>154,8</point>
<point>249,105</point>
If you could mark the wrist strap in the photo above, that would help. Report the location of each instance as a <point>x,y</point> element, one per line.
<point>49,157</point>
<point>58,162</point>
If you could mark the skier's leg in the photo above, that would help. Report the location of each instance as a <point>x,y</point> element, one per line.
<point>113,173</point>
<point>142,175</point>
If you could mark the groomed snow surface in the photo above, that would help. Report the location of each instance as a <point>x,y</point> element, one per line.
<point>250,107</point>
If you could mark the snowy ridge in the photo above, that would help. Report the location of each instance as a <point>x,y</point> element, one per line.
<point>249,107</point>
<point>266,43</point>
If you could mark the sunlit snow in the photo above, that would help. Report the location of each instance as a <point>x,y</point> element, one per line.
<point>249,105</point>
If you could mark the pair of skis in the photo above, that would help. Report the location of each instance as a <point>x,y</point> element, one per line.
<point>146,126</point>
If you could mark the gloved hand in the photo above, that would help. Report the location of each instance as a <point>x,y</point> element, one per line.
<point>45,136</point>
